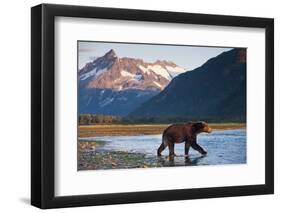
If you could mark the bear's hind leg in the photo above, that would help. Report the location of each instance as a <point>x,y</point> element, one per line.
<point>161,148</point>
<point>171,149</point>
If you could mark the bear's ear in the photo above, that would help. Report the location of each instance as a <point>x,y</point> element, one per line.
<point>197,126</point>
<point>200,124</point>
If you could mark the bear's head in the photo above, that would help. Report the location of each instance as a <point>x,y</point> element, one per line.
<point>201,126</point>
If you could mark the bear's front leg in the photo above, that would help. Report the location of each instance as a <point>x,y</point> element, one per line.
<point>198,148</point>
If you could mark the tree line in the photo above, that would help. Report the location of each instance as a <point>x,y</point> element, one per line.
<point>88,119</point>
<point>91,119</point>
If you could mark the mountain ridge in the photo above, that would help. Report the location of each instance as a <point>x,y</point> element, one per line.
<point>111,72</point>
<point>215,91</point>
<point>116,86</point>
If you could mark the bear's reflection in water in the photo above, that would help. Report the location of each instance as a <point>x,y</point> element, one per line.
<point>164,161</point>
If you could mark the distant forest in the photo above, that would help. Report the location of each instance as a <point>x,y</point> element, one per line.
<point>92,119</point>
<point>89,119</point>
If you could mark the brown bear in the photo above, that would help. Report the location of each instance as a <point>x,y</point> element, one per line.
<point>178,133</point>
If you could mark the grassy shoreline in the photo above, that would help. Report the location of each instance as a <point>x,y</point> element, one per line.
<point>140,129</point>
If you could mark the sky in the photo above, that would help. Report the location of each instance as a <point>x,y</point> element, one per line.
<point>188,57</point>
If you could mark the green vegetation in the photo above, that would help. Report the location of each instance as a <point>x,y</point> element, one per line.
<point>131,119</point>
<point>89,119</point>
<point>93,119</point>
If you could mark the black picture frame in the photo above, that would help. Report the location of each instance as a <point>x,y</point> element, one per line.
<point>43,102</point>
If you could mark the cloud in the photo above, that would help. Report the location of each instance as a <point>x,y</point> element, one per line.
<point>85,50</point>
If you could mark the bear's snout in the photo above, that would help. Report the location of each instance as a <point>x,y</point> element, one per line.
<point>207,129</point>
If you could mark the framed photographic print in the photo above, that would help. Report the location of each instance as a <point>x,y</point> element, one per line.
<point>140,106</point>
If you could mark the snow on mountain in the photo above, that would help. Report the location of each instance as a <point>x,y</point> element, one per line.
<point>126,74</point>
<point>98,66</point>
<point>116,86</point>
<point>106,102</point>
<point>157,84</point>
<point>137,76</point>
<point>112,72</point>
<point>158,69</point>
<point>175,71</point>
<point>95,72</point>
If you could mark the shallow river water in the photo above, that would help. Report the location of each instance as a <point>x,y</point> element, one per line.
<point>223,147</point>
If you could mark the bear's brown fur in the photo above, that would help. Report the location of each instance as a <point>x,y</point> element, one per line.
<point>178,133</point>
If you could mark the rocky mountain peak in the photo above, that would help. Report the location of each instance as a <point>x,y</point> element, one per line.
<point>165,63</point>
<point>110,54</point>
<point>111,72</point>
